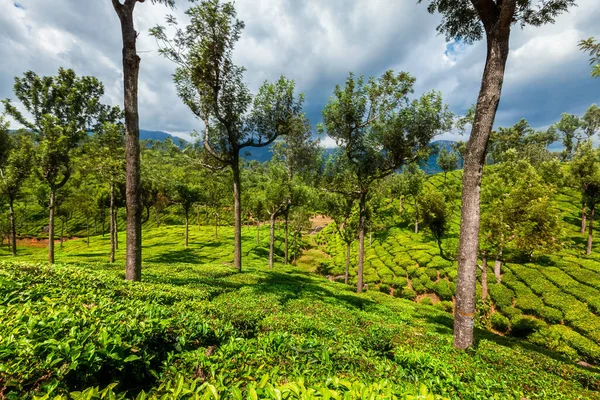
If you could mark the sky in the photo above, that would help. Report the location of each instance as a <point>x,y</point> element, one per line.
<point>316,43</point>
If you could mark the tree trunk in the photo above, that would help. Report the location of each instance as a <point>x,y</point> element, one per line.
<point>271,239</point>
<point>361,240</point>
<point>51,227</point>
<point>131,69</point>
<point>497,266</point>
<point>583,219</point>
<point>590,231</point>
<point>62,232</point>
<point>13,228</point>
<point>347,263</point>
<point>116,218</point>
<point>401,208</point>
<point>484,283</point>
<point>186,229</point>
<point>295,247</point>
<point>257,232</point>
<point>285,244</point>
<point>487,104</point>
<point>237,214</point>
<point>416,217</point>
<point>112,223</point>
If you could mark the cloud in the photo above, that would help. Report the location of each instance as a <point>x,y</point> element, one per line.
<point>314,42</point>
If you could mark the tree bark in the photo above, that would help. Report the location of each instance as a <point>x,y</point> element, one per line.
<point>590,231</point>
<point>346,275</point>
<point>116,219</point>
<point>583,219</point>
<point>131,69</point>
<point>51,227</point>
<point>497,266</point>
<point>484,284</point>
<point>13,228</point>
<point>186,229</point>
<point>237,214</point>
<point>497,34</point>
<point>271,239</point>
<point>112,223</point>
<point>361,240</point>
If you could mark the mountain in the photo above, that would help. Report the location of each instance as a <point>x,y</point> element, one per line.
<point>263,154</point>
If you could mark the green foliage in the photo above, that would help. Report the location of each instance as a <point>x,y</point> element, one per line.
<point>592,47</point>
<point>500,322</point>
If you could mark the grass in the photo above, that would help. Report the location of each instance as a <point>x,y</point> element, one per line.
<point>561,290</point>
<point>196,326</point>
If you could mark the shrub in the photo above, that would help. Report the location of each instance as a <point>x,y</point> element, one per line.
<point>501,295</point>
<point>384,288</point>
<point>408,293</point>
<point>500,322</point>
<point>525,326</point>
<point>425,300</point>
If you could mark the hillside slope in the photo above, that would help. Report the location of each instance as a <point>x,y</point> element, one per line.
<point>554,300</point>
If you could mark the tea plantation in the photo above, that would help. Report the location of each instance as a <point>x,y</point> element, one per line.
<point>553,301</point>
<point>194,328</point>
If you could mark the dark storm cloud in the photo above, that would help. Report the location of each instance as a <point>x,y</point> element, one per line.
<point>314,42</point>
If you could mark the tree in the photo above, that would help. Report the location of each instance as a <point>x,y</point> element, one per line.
<point>568,126</point>
<point>131,70</point>
<point>16,155</point>
<point>435,215</point>
<point>585,169</point>
<point>379,130</point>
<point>212,86</point>
<point>447,161</point>
<point>398,188</point>
<point>590,122</point>
<point>526,141</point>
<point>415,178</point>
<point>63,109</point>
<point>469,21</point>
<point>592,47</point>
<point>341,209</point>
<point>186,195</point>
<point>107,160</point>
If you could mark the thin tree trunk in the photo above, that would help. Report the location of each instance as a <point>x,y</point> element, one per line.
<point>295,247</point>
<point>497,267</point>
<point>346,275</point>
<point>13,228</point>
<point>484,284</point>
<point>62,232</point>
<point>487,104</point>
<point>271,239</point>
<point>112,223</point>
<point>590,231</point>
<point>583,219</point>
<point>186,229</point>
<point>285,241</point>
<point>115,216</point>
<point>416,217</point>
<point>237,215</point>
<point>51,227</point>
<point>131,69</point>
<point>401,205</point>
<point>361,240</point>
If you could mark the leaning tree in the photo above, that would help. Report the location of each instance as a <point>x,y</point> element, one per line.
<point>212,86</point>
<point>379,130</point>
<point>469,21</point>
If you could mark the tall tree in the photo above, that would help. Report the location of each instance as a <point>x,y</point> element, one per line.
<point>568,126</point>
<point>415,179</point>
<point>379,130</point>
<point>187,195</point>
<point>469,21</point>
<point>131,71</point>
<point>590,122</point>
<point>16,156</point>
<point>592,47</point>
<point>212,86</point>
<point>62,109</point>
<point>585,169</point>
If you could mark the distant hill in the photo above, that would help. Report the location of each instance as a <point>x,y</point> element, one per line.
<point>263,154</point>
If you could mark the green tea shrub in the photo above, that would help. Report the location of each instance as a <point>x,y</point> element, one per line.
<point>500,322</point>
<point>525,326</point>
<point>384,288</point>
<point>407,293</point>
<point>425,300</point>
<point>444,289</point>
<point>501,295</point>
